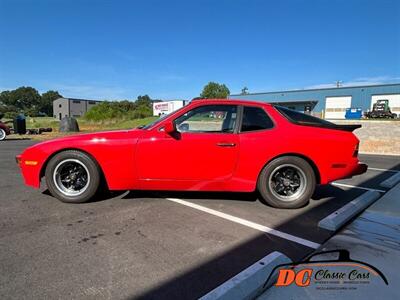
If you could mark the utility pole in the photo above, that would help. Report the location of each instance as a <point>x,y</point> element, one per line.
<point>244,91</point>
<point>339,83</point>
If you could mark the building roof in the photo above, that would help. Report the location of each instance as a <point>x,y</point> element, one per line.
<point>319,89</point>
<point>230,101</point>
<point>77,99</point>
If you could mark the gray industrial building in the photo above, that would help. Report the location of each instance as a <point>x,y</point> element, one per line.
<point>331,103</point>
<point>70,107</point>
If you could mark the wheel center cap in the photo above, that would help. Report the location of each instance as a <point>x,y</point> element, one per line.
<point>286,182</point>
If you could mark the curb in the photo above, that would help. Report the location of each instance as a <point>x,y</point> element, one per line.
<point>391,181</point>
<point>379,153</point>
<point>338,218</point>
<point>248,283</point>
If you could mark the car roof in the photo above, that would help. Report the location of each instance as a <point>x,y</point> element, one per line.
<point>229,101</point>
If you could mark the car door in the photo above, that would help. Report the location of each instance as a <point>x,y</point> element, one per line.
<point>204,147</point>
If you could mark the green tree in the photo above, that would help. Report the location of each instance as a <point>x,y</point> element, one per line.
<point>215,90</point>
<point>5,98</point>
<point>46,102</point>
<point>143,107</point>
<point>27,100</point>
<point>125,109</point>
<point>4,103</point>
<point>143,100</point>
<point>23,99</point>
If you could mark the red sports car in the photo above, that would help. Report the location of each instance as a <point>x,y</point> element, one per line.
<point>208,145</point>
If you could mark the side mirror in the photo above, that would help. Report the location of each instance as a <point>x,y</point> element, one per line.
<point>169,127</point>
<point>183,127</point>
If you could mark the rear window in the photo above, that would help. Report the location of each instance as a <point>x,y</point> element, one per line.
<point>255,118</point>
<point>302,119</point>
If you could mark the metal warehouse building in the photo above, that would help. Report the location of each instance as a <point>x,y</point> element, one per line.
<point>69,107</point>
<point>331,103</point>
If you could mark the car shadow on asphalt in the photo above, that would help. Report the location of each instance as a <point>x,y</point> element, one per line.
<point>321,192</point>
<point>103,195</point>
<point>250,197</point>
<point>16,139</point>
<point>201,279</point>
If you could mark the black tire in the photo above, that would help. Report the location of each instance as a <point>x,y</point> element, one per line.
<point>61,164</point>
<point>274,175</point>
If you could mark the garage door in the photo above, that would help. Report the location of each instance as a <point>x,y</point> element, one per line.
<point>335,107</point>
<point>394,101</point>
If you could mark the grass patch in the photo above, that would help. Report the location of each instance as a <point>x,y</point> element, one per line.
<point>85,126</point>
<point>42,122</point>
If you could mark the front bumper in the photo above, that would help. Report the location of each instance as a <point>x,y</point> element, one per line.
<point>30,170</point>
<point>18,160</point>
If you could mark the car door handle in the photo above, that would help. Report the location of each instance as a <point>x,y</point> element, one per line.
<point>222,144</point>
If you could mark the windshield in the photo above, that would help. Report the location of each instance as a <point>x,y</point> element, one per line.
<point>162,118</point>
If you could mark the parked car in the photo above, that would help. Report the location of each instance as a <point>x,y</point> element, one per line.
<point>4,131</point>
<point>281,153</point>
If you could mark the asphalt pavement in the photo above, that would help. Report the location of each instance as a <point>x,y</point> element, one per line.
<point>152,245</point>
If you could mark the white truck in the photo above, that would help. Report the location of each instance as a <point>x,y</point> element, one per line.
<point>164,108</point>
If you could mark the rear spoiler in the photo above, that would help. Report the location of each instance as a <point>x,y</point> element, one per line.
<point>343,127</point>
<point>347,127</point>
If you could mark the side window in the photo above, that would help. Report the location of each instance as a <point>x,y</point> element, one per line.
<point>298,117</point>
<point>208,118</point>
<point>255,118</point>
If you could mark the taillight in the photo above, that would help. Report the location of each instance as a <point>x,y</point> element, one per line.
<point>355,153</point>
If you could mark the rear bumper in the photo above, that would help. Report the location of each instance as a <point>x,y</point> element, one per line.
<point>357,169</point>
<point>360,169</point>
<point>344,171</point>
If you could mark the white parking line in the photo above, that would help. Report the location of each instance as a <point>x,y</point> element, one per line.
<point>356,187</point>
<point>383,170</point>
<point>247,223</point>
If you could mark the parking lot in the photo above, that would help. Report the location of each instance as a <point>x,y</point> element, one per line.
<point>152,244</point>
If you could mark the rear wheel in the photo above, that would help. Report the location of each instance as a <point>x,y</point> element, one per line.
<point>72,176</point>
<point>2,134</point>
<point>287,182</point>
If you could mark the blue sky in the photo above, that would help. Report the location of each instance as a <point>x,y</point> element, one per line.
<point>171,49</point>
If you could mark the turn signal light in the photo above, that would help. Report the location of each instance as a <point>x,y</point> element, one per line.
<point>31,162</point>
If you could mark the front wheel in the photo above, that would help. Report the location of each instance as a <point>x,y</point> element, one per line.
<point>287,182</point>
<point>72,176</point>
